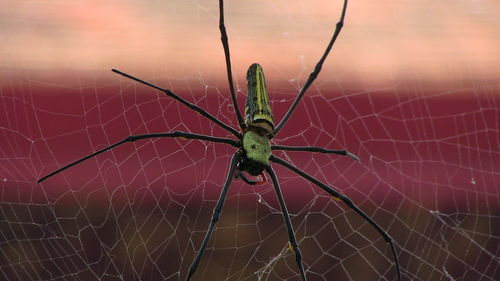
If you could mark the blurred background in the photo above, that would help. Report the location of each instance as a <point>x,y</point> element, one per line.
<point>411,87</point>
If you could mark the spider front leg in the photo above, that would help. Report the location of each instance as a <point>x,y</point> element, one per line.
<point>227,55</point>
<point>215,216</point>
<point>316,71</point>
<point>288,223</point>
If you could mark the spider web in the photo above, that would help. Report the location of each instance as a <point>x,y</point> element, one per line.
<point>426,130</point>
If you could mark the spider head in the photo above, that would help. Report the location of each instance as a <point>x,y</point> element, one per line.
<point>256,152</point>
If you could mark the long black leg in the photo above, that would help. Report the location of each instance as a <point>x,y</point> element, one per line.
<point>346,200</point>
<point>183,101</point>
<point>315,73</point>
<point>314,149</point>
<point>288,223</point>
<point>225,44</point>
<point>215,216</point>
<point>175,134</point>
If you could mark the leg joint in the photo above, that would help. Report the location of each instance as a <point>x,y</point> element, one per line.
<point>216,216</point>
<point>298,253</point>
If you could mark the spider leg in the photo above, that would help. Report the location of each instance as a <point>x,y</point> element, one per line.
<point>225,44</point>
<point>346,200</point>
<point>239,174</point>
<point>176,134</point>
<point>314,149</point>
<point>315,73</point>
<point>288,223</point>
<point>183,101</point>
<point>215,216</point>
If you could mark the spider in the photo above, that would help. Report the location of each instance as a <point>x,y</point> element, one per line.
<point>253,144</point>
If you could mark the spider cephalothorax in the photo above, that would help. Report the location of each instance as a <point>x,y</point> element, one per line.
<point>255,154</point>
<point>253,144</point>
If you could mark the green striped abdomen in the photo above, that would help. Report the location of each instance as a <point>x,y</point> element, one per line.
<point>258,112</point>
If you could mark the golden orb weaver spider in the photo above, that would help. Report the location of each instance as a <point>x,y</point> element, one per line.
<point>253,143</point>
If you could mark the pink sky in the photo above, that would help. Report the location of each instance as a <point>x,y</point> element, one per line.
<point>382,40</point>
